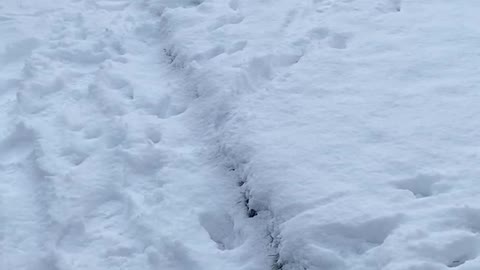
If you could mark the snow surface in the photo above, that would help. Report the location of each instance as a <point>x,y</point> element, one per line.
<point>240,134</point>
<point>99,168</point>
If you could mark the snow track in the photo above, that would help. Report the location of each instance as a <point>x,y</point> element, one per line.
<point>239,135</point>
<point>99,166</point>
<point>352,122</point>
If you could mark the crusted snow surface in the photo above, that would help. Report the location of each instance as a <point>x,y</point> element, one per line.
<point>354,123</point>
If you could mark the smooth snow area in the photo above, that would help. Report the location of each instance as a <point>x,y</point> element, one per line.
<point>239,134</point>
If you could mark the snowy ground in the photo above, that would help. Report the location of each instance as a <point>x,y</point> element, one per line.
<point>241,134</point>
<point>99,169</point>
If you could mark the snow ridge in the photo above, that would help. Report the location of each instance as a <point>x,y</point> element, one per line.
<point>218,89</point>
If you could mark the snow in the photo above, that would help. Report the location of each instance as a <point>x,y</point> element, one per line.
<point>241,134</point>
<point>351,122</point>
<point>99,166</point>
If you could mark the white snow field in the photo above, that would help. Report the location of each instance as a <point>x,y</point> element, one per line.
<point>239,135</point>
<point>98,166</point>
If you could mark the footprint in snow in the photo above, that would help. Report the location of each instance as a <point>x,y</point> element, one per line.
<point>339,40</point>
<point>226,20</point>
<point>19,50</point>
<point>17,146</point>
<point>422,185</point>
<point>220,227</point>
<point>387,6</point>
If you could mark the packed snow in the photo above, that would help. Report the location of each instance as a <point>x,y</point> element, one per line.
<point>239,135</point>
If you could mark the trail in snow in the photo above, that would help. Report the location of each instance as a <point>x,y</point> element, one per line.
<point>99,166</point>
<point>349,125</point>
<point>353,122</point>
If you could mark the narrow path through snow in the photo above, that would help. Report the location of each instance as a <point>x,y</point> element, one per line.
<point>99,166</point>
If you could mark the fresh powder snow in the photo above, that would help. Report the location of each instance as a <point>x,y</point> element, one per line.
<point>239,135</point>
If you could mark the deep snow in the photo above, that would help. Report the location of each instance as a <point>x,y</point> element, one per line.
<point>143,134</point>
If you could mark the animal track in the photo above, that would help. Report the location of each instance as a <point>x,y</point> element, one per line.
<point>71,237</point>
<point>233,4</point>
<point>5,18</point>
<point>318,33</point>
<point>182,3</point>
<point>163,108</point>
<point>19,49</point>
<point>220,228</point>
<point>112,5</point>
<point>38,90</point>
<point>226,20</point>
<point>390,6</point>
<point>339,40</point>
<point>92,132</point>
<point>109,100</point>
<point>263,68</point>
<point>362,236</point>
<point>464,217</point>
<point>144,160</point>
<point>81,56</point>
<point>452,249</point>
<point>74,155</point>
<point>17,145</point>
<point>333,40</point>
<point>117,135</point>
<point>237,46</point>
<point>117,82</point>
<point>154,135</point>
<point>421,186</point>
<point>209,54</point>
